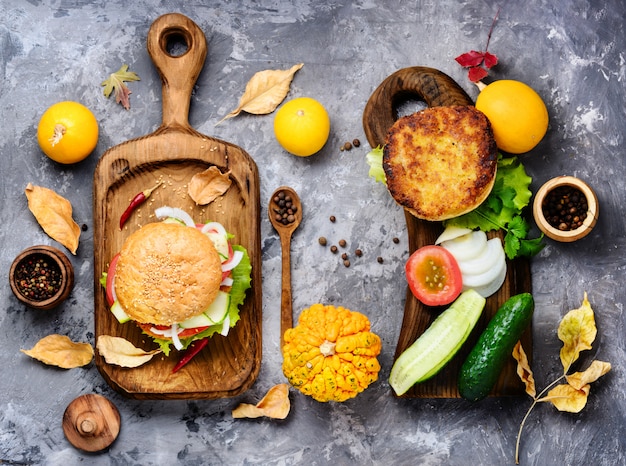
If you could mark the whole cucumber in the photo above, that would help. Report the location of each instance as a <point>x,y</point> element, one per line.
<point>480,371</point>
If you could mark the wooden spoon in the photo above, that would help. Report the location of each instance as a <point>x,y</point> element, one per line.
<point>285,221</point>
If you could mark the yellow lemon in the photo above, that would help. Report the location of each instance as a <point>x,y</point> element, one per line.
<point>517,114</point>
<point>302,126</point>
<point>67,132</point>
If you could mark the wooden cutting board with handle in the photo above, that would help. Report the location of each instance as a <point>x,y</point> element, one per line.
<point>435,88</point>
<point>171,155</point>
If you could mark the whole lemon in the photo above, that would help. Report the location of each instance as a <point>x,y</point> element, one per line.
<point>67,132</point>
<point>302,126</point>
<point>518,115</point>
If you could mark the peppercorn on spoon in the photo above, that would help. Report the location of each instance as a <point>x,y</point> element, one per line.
<point>285,213</point>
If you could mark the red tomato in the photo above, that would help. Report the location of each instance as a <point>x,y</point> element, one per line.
<point>434,276</point>
<point>110,293</point>
<point>186,333</point>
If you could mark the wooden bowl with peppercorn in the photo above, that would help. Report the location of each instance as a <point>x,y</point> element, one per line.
<point>41,277</point>
<point>566,209</point>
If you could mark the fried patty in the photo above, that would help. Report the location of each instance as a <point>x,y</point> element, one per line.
<point>440,162</point>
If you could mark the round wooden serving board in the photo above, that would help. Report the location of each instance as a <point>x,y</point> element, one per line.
<point>172,154</point>
<point>435,88</point>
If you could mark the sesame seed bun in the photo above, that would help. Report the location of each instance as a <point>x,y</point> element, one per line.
<point>440,162</point>
<point>167,273</point>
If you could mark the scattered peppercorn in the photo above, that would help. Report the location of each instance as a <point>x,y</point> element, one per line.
<point>333,249</point>
<point>565,208</point>
<point>332,218</point>
<point>344,256</point>
<point>396,240</point>
<point>347,146</point>
<point>84,227</point>
<point>342,243</point>
<point>356,143</point>
<point>346,263</point>
<point>283,208</point>
<point>37,278</point>
<point>379,259</point>
<point>358,252</point>
<point>322,241</point>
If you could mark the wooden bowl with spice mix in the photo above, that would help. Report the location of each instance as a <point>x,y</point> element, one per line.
<point>566,209</point>
<point>41,277</point>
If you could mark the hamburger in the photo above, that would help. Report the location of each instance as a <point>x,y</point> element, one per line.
<point>440,162</point>
<point>178,281</point>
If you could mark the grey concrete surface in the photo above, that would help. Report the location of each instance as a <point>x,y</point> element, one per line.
<point>571,52</point>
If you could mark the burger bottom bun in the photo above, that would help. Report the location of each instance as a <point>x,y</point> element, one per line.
<point>167,273</point>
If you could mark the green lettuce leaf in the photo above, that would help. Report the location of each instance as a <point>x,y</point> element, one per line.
<point>502,210</point>
<point>374,158</point>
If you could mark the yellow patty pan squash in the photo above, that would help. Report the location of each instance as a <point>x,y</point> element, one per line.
<point>330,354</point>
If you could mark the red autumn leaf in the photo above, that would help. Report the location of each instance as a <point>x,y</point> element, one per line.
<point>468,59</point>
<point>490,60</point>
<point>476,73</point>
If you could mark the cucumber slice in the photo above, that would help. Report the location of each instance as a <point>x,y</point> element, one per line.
<point>438,344</point>
<point>220,242</point>
<point>218,310</point>
<point>119,313</point>
<point>200,320</point>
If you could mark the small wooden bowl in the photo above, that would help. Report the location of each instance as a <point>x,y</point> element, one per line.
<point>589,222</point>
<point>58,261</point>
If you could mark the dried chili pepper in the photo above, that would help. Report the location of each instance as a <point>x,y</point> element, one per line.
<point>194,348</point>
<point>139,199</point>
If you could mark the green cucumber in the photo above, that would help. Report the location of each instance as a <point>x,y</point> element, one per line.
<point>438,344</point>
<point>480,371</point>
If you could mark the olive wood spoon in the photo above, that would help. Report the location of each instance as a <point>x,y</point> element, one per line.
<point>285,230</point>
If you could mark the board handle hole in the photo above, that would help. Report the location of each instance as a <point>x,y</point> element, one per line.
<point>407,103</point>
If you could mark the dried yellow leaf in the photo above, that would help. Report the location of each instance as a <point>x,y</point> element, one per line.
<point>596,370</point>
<point>54,214</point>
<point>121,352</point>
<point>523,369</point>
<point>566,398</point>
<point>265,91</point>
<point>275,404</point>
<point>59,350</point>
<point>208,185</point>
<point>577,331</point>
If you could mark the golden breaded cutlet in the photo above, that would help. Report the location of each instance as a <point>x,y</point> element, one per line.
<point>440,162</point>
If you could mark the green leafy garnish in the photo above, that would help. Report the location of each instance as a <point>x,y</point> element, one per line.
<point>503,210</point>
<point>375,160</point>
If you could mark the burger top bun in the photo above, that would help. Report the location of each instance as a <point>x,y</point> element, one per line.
<point>167,273</point>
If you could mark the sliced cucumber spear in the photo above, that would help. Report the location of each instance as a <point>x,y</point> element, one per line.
<point>438,344</point>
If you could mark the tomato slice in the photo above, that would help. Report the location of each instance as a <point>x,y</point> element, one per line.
<point>188,332</point>
<point>110,292</point>
<point>434,276</point>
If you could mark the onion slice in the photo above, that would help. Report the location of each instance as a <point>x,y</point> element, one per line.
<point>233,262</point>
<point>175,212</point>
<point>218,227</point>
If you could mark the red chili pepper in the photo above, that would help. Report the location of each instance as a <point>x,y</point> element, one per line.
<point>194,348</point>
<point>136,202</point>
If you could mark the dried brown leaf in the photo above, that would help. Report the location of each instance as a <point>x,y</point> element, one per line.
<point>265,91</point>
<point>523,369</point>
<point>577,331</point>
<point>59,350</point>
<point>275,404</point>
<point>121,352</point>
<point>596,370</point>
<point>208,185</point>
<point>566,398</point>
<point>54,214</point>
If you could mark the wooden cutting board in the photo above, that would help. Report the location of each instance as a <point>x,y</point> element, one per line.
<point>172,154</point>
<point>435,88</point>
